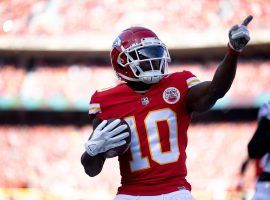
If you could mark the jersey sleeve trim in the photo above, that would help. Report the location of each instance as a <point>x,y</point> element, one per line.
<point>192,82</point>
<point>94,108</point>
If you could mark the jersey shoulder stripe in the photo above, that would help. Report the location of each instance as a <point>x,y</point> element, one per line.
<point>192,81</point>
<point>94,108</point>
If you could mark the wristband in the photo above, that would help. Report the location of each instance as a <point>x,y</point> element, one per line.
<point>232,50</point>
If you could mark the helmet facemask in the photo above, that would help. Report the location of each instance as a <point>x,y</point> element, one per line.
<point>148,60</point>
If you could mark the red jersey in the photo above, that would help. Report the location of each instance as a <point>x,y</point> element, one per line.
<point>156,161</point>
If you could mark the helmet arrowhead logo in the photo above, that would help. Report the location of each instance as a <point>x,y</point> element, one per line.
<point>117,42</point>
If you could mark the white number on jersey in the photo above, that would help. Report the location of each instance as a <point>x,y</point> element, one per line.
<point>138,161</point>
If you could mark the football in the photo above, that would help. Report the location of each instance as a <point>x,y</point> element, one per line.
<point>117,151</point>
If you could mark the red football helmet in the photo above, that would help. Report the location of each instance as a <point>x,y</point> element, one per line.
<point>138,55</point>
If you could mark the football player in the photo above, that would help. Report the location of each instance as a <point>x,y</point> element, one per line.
<point>158,107</point>
<point>259,147</point>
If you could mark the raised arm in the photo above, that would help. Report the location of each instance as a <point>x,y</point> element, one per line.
<point>204,95</point>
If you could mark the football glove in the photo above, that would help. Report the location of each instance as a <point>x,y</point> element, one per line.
<point>105,137</point>
<point>239,35</point>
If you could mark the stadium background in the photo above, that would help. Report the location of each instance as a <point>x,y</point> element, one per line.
<point>55,53</point>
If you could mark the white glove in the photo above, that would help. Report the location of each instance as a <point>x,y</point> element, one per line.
<point>239,35</point>
<point>106,137</point>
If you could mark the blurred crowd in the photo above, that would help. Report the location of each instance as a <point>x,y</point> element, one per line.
<point>65,87</point>
<point>49,158</point>
<point>82,17</point>
<point>58,87</point>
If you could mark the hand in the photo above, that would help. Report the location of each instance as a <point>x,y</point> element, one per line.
<point>239,35</point>
<point>106,137</point>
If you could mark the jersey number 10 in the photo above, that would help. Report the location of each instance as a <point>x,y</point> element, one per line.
<point>140,162</point>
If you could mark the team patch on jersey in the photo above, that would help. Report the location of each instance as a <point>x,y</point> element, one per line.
<point>171,95</point>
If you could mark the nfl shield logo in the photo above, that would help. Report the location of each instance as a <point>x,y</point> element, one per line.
<point>144,101</point>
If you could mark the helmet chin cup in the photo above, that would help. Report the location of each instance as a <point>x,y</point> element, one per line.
<point>151,77</point>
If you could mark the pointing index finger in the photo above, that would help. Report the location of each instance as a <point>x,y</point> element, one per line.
<point>247,20</point>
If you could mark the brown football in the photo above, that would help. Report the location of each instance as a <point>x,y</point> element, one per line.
<point>117,151</point>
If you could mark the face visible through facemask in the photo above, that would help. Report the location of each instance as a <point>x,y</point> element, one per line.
<point>149,58</point>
